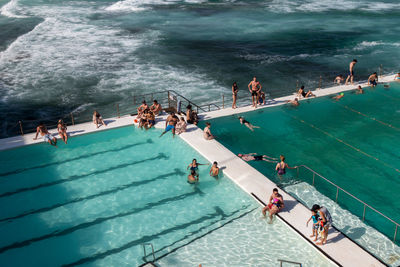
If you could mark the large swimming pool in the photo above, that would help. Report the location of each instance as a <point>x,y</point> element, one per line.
<point>95,201</point>
<point>353,142</point>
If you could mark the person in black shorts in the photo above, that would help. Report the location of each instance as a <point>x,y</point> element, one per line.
<point>255,157</point>
<point>254,88</point>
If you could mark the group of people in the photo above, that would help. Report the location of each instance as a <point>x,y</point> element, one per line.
<point>146,116</point>
<point>257,95</point>
<point>178,125</point>
<point>193,177</point>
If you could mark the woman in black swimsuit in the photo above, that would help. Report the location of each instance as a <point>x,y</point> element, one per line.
<point>235,90</point>
<point>247,124</point>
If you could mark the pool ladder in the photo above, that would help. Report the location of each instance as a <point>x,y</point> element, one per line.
<point>145,252</point>
<point>291,262</point>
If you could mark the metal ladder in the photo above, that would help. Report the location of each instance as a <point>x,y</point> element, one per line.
<point>152,251</point>
<point>291,262</point>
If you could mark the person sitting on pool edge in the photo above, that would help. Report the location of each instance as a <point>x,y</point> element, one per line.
<point>156,108</point>
<point>191,116</point>
<point>275,204</point>
<point>373,79</point>
<point>207,132</point>
<point>255,157</point>
<point>397,77</point>
<point>47,137</point>
<point>214,171</point>
<point>141,109</point>
<point>303,93</point>
<point>339,79</point>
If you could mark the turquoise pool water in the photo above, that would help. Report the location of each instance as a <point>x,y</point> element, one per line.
<point>94,201</point>
<point>355,151</point>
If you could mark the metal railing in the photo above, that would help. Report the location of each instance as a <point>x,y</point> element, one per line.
<point>291,262</point>
<point>145,255</point>
<point>339,189</point>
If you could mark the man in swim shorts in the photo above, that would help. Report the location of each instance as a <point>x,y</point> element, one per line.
<point>351,72</point>
<point>255,157</point>
<point>47,137</point>
<point>156,108</point>
<point>170,124</point>
<point>373,79</point>
<point>254,88</point>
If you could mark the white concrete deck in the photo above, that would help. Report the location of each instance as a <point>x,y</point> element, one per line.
<point>339,248</point>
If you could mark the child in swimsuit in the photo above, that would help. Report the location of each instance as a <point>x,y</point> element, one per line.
<point>314,217</point>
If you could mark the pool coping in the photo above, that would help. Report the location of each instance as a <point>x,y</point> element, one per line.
<point>244,175</point>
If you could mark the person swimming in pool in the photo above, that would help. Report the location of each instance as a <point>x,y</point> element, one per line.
<point>214,171</point>
<point>294,102</point>
<point>281,166</point>
<point>247,124</point>
<point>194,166</point>
<point>339,96</point>
<point>255,157</point>
<point>193,177</point>
<point>373,79</point>
<point>359,90</point>
<point>275,204</point>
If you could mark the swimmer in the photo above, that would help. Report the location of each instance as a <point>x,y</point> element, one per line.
<point>214,171</point>
<point>207,132</point>
<point>397,77</point>
<point>275,204</point>
<point>351,72</point>
<point>281,166</point>
<point>359,90</point>
<point>339,96</point>
<point>247,124</point>
<point>294,102</point>
<point>373,79</point>
<point>192,178</point>
<point>303,93</point>
<point>255,157</point>
<point>339,79</point>
<point>194,166</point>
<point>47,137</point>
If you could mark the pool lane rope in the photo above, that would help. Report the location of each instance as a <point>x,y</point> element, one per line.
<point>369,117</point>
<point>343,142</point>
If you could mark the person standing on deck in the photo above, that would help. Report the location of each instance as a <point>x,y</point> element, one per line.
<point>254,88</point>
<point>325,221</point>
<point>351,74</point>
<point>235,90</point>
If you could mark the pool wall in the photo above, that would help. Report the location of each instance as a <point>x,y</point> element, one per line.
<point>245,176</point>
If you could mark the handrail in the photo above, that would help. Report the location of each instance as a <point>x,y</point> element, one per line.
<point>292,262</point>
<point>152,250</point>
<point>356,198</point>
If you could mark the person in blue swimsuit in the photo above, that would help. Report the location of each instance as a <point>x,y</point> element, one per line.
<point>315,218</point>
<point>397,77</point>
<point>170,124</point>
<point>194,167</point>
<point>281,166</point>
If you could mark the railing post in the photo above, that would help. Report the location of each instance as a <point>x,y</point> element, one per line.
<point>152,97</point>
<point>72,119</point>
<point>197,109</point>
<point>20,127</point>
<point>395,233</point>
<point>320,82</point>
<point>297,173</point>
<point>169,100</point>
<point>117,110</point>
<point>337,193</point>
<point>209,108</point>
<point>380,70</point>
<point>297,85</point>
<point>134,99</point>
<point>223,101</point>
<point>364,212</point>
<point>313,178</point>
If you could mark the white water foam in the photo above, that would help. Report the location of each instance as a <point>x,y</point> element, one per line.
<point>289,6</point>
<point>12,10</point>
<point>368,44</point>
<point>142,5</point>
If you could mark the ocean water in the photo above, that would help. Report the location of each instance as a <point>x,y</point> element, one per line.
<point>76,56</point>
<point>352,142</point>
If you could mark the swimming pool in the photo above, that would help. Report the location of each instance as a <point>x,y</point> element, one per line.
<point>353,142</point>
<point>96,200</point>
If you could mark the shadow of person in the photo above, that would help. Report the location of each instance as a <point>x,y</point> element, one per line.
<point>289,205</point>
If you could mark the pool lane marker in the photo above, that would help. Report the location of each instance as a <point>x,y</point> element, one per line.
<point>343,142</point>
<point>365,115</point>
